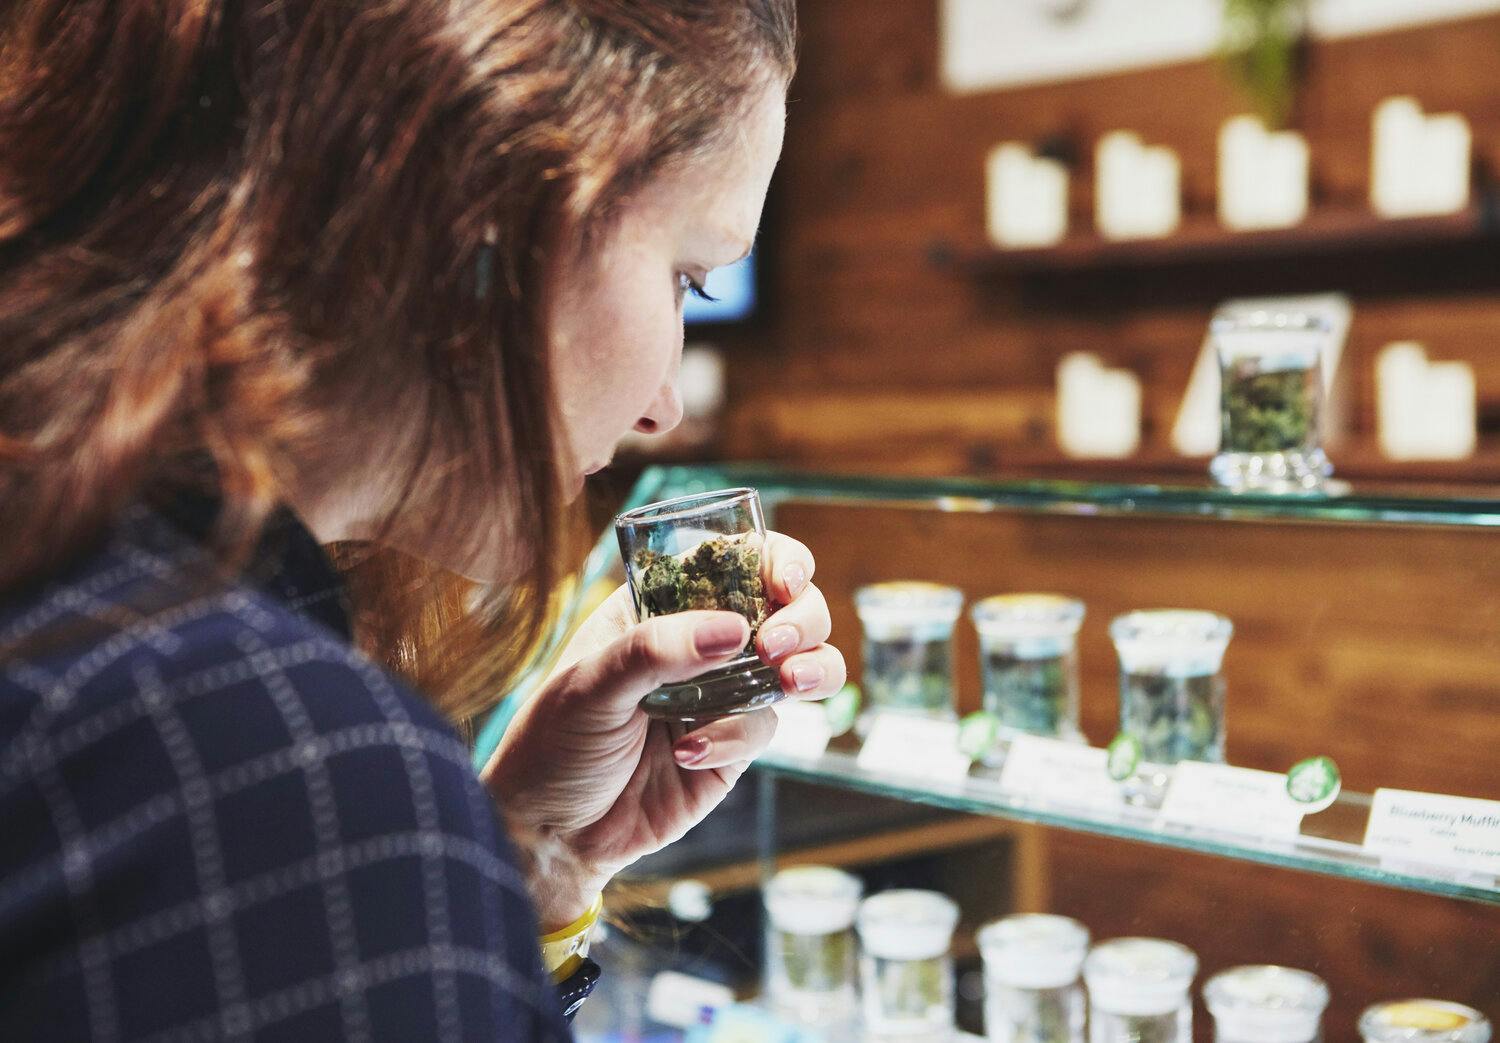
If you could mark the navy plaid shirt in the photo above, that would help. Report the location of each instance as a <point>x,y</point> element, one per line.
<point>218,821</point>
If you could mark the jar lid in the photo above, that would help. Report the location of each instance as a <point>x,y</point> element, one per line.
<point>1266,1004</point>
<point>1028,615</point>
<point>1423,1021</point>
<point>908,604</point>
<point>813,900</point>
<point>1181,642</point>
<point>1139,975</point>
<point>1034,950</point>
<point>907,924</point>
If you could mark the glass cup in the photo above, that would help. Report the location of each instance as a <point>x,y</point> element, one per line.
<point>905,967</point>
<point>1139,991</point>
<point>908,648</point>
<point>811,956</point>
<point>703,552</point>
<point>1031,988</point>
<point>1271,401</point>
<point>1171,694</point>
<point>1423,1021</point>
<point>1266,1004</point>
<point>1028,662</point>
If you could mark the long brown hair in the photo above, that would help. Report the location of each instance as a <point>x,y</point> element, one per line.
<point>230,227</point>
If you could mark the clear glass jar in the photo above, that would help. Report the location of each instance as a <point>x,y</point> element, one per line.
<point>906,972</point>
<point>1139,991</point>
<point>1031,988</point>
<point>1266,1004</point>
<point>1171,694</point>
<point>811,956</point>
<point>1028,663</point>
<point>1423,1021</point>
<point>908,647</point>
<point>1271,399</point>
<point>703,552</point>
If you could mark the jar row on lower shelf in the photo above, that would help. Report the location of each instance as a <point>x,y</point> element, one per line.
<point>835,958</point>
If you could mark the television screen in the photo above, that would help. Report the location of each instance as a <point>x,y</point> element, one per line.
<point>736,290</point>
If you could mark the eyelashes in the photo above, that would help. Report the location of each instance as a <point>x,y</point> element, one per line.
<point>686,284</point>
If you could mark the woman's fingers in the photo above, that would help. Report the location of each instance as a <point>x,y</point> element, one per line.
<point>658,651</point>
<point>814,675</point>
<point>786,568</point>
<point>802,625</point>
<point>729,740</point>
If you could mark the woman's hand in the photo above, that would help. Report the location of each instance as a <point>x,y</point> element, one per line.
<point>589,783</point>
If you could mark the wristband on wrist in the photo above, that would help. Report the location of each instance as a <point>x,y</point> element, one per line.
<point>563,951</point>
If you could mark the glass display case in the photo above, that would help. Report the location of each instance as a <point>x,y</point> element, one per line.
<point>1366,630</point>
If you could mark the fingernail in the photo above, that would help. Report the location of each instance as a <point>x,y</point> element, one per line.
<point>780,642</point>
<point>690,749</point>
<point>718,636</point>
<point>806,678</point>
<point>794,578</point>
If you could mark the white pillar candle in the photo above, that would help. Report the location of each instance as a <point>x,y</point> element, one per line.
<point>1263,176</point>
<point>1427,410</point>
<point>1098,409</point>
<point>1419,164</point>
<point>1026,198</point>
<point>1137,190</point>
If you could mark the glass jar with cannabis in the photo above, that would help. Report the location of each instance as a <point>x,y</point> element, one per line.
<point>908,647</point>
<point>811,955</point>
<point>1271,399</point>
<point>1171,693</point>
<point>1139,991</point>
<point>906,971</point>
<point>703,552</point>
<point>1031,988</point>
<point>1266,1004</point>
<point>1028,664</point>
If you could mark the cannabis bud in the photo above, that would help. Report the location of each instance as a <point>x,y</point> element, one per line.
<point>721,573</point>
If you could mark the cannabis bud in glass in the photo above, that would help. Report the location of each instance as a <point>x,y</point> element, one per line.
<point>702,552</point>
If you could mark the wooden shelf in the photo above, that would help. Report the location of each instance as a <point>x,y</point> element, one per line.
<point>1202,240</point>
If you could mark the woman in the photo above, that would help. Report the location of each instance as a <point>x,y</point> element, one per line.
<point>394,277</point>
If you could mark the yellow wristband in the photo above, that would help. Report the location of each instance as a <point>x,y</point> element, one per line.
<point>565,949</point>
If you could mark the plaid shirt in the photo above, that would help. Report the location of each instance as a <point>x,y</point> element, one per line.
<point>218,821</point>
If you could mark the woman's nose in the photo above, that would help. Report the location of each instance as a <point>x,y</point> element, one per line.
<point>664,413</point>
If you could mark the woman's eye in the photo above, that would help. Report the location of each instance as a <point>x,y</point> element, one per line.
<point>686,284</point>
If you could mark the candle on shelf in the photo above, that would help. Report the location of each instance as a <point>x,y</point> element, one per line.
<point>1026,198</point>
<point>1262,176</point>
<point>1138,188</point>
<point>1098,409</point>
<point>1419,163</point>
<point>1427,410</point>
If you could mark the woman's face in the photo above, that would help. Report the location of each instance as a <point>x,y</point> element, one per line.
<point>617,322</point>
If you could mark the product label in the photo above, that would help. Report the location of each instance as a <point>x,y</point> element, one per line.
<point>1430,828</point>
<point>904,744</point>
<point>1059,772</point>
<point>1230,800</point>
<point>802,730</point>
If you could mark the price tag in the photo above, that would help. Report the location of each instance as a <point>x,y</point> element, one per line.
<point>904,744</point>
<point>1060,772</point>
<point>1230,800</point>
<point>802,730</point>
<point>1430,828</point>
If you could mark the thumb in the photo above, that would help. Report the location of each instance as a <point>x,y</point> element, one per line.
<point>659,651</point>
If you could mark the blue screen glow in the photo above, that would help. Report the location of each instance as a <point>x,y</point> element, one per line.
<point>735,288</point>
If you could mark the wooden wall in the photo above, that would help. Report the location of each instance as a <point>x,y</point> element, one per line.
<point>875,357</point>
<point>1377,647</point>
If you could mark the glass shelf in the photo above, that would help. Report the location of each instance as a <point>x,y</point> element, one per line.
<point>1330,842</point>
<point>1377,503</point>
